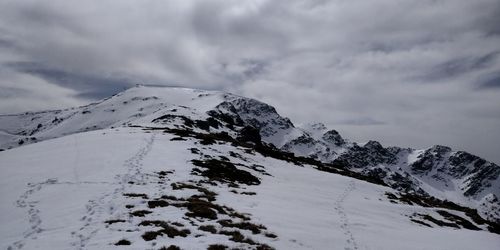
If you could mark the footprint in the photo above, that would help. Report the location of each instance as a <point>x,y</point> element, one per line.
<point>350,241</point>
<point>103,206</point>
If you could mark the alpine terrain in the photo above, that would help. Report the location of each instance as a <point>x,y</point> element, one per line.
<point>176,168</point>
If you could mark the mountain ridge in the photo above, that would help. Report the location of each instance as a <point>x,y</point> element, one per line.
<point>436,171</point>
<point>159,168</point>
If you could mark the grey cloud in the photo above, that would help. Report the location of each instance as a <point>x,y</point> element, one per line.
<point>87,86</point>
<point>4,43</point>
<point>490,20</point>
<point>245,70</point>
<point>361,121</point>
<point>39,15</point>
<point>411,73</point>
<point>9,92</point>
<point>461,66</point>
<point>491,81</point>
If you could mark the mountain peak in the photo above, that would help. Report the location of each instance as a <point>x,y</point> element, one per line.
<point>200,166</point>
<point>438,170</point>
<point>374,145</point>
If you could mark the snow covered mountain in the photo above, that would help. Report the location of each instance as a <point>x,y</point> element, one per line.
<point>153,168</point>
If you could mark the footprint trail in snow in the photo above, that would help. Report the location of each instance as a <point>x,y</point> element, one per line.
<point>33,213</point>
<point>99,209</point>
<point>351,243</point>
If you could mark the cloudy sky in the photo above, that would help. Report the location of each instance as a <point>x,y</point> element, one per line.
<point>404,72</point>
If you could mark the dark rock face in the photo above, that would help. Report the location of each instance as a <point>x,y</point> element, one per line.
<point>429,159</point>
<point>333,137</point>
<point>371,154</point>
<point>225,171</point>
<point>304,140</point>
<point>261,116</point>
<point>403,183</point>
<point>444,164</point>
<point>464,164</point>
<point>226,113</point>
<point>480,172</point>
<point>241,112</point>
<point>250,134</point>
<point>482,178</point>
<point>399,181</point>
<point>306,145</point>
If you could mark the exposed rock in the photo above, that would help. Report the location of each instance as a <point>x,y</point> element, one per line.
<point>332,136</point>
<point>371,154</point>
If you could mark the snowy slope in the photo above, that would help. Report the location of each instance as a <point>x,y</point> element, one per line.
<point>57,194</point>
<point>111,112</point>
<point>160,166</point>
<point>437,171</point>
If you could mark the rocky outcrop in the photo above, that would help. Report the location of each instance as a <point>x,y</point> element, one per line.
<point>369,155</point>
<point>438,170</point>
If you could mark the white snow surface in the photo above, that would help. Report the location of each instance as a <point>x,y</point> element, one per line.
<point>56,195</point>
<point>75,165</point>
<point>135,104</point>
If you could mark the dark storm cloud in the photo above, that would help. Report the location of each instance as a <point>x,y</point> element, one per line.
<point>491,81</point>
<point>489,22</point>
<point>88,86</point>
<point>405,72</point>
<point>461,66</point>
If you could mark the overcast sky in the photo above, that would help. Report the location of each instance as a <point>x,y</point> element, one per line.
<point>404,72</point>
